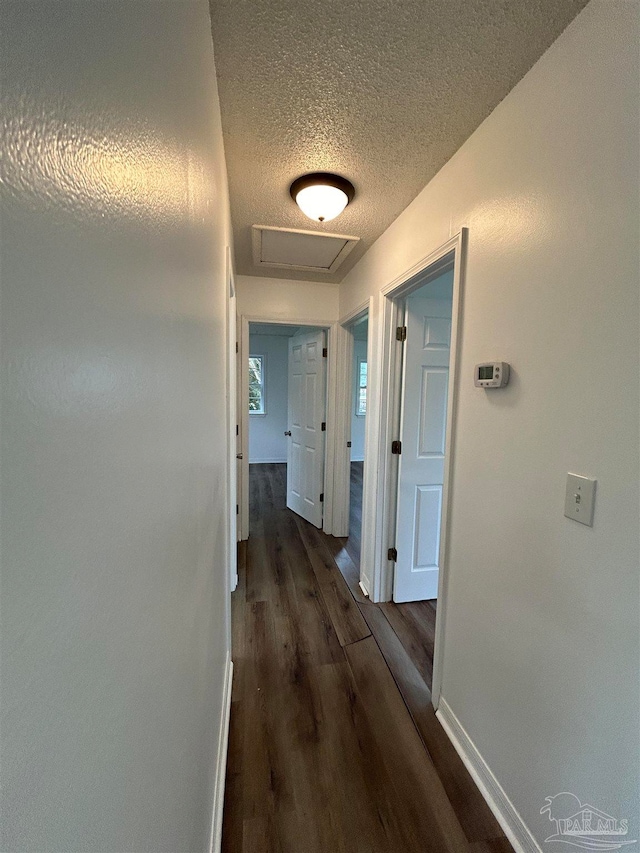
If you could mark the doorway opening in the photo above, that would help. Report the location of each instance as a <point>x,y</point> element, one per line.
<point>285,367</point>
<point>359,331</point>
<point>412,421</point>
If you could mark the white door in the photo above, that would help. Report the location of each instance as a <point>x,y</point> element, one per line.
<point>305,431</point>
<point>422,433</point>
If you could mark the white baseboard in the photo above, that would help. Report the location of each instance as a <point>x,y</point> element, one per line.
<point>357,458</point>
<point>505,812</point>
<point>267,461</point>
<point>221,768</point>
<point>365,591</point>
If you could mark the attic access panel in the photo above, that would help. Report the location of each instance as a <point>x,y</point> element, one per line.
<point>291,249</point>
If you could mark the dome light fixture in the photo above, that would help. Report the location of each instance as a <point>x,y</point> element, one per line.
<point>321,195</point>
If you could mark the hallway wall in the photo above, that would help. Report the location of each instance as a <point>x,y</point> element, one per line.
<point>287,300</point>
<point>541,645</point>
<point>114,569</point>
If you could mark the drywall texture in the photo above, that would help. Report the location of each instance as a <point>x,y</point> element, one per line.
<point>358,422</point>
<point>381,92</point>
<point>267,442</point>
<point>114,587</point>
<point>289,301</point>
<point>541,645</point>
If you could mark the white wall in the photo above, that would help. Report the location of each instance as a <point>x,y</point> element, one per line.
<point>267,442</point>
<point>357,421</point>
<point>541,645</point>
<point>290,301</point>
<point>114,577</point>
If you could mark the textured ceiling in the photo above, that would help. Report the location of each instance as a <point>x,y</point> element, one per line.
<point>383,92</point>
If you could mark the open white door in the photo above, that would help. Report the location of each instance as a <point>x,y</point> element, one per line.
<point>306,436</point>
<point>423,434</point>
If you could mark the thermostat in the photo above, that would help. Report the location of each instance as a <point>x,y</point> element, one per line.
<point>491,374</point>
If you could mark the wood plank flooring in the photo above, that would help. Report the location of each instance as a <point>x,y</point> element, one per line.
<point>334,746</point>
<point>352,543</point>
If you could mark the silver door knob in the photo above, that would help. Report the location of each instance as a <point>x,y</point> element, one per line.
<point>238,455</point>
<point>288,432</point>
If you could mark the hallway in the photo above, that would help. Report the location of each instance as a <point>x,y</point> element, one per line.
<point>334,746</point>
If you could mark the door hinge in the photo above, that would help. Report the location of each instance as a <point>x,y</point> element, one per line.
<point>237,429</point>
<point>396,447</point>
<point>392,554</point>
<point>237,510</point>
<point>237,350</point>
<point>348,444</point>
<point>322,498</point>
<point>401,333</point>
<point>323,428</point>
<point>325,352</point>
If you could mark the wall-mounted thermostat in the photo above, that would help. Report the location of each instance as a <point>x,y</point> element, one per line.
<point>491,374</point>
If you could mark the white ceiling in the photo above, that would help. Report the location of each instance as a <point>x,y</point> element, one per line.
<point>381,91</point>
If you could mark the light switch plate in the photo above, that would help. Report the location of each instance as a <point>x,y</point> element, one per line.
<point>579,499</point>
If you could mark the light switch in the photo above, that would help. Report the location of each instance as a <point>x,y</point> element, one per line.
<point>579,499</point>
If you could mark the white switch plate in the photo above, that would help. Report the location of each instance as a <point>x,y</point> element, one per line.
<point>579,499</point>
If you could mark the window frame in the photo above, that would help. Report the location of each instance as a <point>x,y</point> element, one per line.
<point>361,360</point>
<point>263,386</point>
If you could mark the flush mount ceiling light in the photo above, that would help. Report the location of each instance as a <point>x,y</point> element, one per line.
<point>321,195</point>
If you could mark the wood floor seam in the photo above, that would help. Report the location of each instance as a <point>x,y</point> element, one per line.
<point>355,642</point>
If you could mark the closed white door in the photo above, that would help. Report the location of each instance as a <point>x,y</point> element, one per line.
<point>305,431</point>
<point>423,433</point>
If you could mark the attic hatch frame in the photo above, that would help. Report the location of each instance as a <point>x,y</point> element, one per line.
<point>256,246</point>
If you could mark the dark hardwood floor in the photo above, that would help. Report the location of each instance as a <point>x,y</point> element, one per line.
<point>334,746</point>
<point>414,623</point>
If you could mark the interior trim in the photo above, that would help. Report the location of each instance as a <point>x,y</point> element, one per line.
<point>256,245</point>
<point>215,840</point>
<point>503,809</point>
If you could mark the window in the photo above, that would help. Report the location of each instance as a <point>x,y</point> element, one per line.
<point>361,389</point>
<point>256,385</point>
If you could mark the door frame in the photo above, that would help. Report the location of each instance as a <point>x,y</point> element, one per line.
<point>235,488</point>
<point>381,467</point>
<point>343,391</point>
<point>329,460</point>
